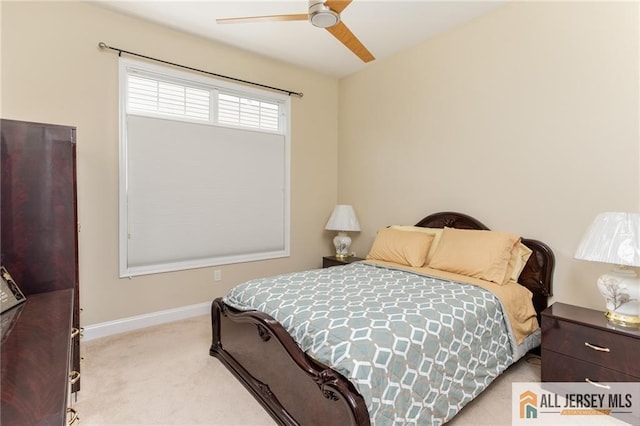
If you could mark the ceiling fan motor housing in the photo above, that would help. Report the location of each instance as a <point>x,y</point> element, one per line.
<point>321,16</point>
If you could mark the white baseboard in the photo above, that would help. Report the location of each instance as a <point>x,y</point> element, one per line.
<point>142,321</point>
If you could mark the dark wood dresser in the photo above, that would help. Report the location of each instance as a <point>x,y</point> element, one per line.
<point>36,349</point>
<point>39,248</point>
<point>579,344</point>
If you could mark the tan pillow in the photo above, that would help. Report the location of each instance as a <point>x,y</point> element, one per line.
<point>479,254</point>
<point>436,232</point>
<point>519,257</point>
<point>405,248</point>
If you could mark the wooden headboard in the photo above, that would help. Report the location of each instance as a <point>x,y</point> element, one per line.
<point>537,274</point>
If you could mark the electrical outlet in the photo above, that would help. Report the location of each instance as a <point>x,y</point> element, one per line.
<point>217,275</point>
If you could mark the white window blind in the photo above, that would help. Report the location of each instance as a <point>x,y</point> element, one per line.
<point>245,112</point>
<point>177,100</point>
<point>204,177</point>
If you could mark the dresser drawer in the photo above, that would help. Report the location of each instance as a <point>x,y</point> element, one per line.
<point>562,368</point>
<point>603,348</point>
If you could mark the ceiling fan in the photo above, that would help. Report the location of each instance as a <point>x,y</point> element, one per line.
<point>323,15</point>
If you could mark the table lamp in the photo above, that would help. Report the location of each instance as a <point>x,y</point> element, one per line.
<point>343,219</point>
<point>615,238</point>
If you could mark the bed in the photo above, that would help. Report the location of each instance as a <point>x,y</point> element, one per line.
<point>332,371</point>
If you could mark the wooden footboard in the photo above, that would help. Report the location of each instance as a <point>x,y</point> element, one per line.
<point>292,387</point>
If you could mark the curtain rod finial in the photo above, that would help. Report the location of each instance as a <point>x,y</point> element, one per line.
<point>102,45</point>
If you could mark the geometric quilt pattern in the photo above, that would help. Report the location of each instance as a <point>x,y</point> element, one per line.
<point>417,348</point>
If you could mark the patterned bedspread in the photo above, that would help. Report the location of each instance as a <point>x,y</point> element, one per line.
<point>417,348</point>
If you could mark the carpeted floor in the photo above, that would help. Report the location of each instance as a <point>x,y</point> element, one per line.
<point>163,375</point>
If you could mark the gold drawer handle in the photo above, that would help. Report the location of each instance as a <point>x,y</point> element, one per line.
<point>74,416</point>
<point>597,348</point>
<point>74,376</point>
<point>600,385</point>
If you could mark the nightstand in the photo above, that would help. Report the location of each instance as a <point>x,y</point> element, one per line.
<point>334,261</point>
<point>579,345</point>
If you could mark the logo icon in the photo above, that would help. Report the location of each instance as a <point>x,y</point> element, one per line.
<point>528,405</point>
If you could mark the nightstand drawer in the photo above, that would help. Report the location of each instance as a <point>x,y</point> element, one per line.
<point>596,346</point>
<point>562,368</point>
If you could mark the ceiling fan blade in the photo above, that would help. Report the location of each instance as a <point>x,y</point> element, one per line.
<point>268,18</point>
<point>346,37</point>
<point>337,5</point>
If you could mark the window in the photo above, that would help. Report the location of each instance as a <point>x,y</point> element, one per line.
<point>204,171</point>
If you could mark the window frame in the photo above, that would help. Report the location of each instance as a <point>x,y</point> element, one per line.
<point>215,86</point>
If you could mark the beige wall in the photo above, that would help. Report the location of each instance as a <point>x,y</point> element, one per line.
<point>53,72</point>
<point>526,118</point>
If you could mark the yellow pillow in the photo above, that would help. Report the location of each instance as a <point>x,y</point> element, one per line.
<point>519,257</point>
<point>405,248</point>
<point>479,254</point>
<point>436,232</point>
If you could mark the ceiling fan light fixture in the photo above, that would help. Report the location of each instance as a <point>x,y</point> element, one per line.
<point>322,17</point>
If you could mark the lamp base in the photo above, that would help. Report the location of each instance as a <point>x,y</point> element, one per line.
<point>621,290</point>
<point>342,242</point>
<point>629,321</point>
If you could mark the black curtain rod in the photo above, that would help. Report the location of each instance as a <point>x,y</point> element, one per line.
<point>121,51</point>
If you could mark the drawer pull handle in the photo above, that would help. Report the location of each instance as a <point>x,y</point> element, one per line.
<point>74,416</point>
<point>597,348</point>
<point>600,385</point>
<point>74,332</point>
<point>74,376</point>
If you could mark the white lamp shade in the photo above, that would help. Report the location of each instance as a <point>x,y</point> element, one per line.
<point>612,238</point>
<point>343,218</point>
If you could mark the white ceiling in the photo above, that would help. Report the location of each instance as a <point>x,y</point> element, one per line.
<point>385,27</point>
